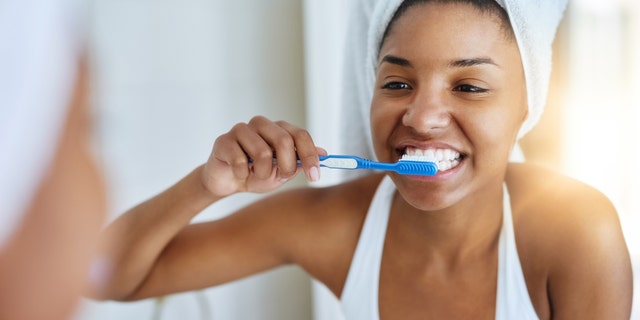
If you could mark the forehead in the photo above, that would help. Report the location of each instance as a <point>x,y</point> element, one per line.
<point>447,30</point>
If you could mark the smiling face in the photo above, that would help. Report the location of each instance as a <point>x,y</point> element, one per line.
<point>450,83</point>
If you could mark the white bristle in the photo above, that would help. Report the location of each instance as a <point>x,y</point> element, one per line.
<point>418,158</point>
<point>407,157</point>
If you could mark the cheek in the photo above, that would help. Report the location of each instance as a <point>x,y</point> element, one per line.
<point>382,120</point>
<point>495,130</point>
<point>516,113</point>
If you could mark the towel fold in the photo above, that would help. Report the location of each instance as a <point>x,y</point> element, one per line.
<point>534,24</point>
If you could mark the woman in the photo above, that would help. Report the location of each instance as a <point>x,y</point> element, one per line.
<point>483,239</point>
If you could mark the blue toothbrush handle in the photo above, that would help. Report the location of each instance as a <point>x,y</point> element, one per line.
<point>402,167</point>
<point>408,167</point>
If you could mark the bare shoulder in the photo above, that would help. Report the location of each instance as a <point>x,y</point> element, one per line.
<point>550,207</point>
<point>560,191</point>
<point>570,243</point>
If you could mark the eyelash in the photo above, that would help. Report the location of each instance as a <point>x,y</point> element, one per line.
<point>394,85</point>
<point>467,88</point>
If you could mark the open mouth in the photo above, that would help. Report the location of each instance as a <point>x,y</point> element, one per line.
<point>446,159</point>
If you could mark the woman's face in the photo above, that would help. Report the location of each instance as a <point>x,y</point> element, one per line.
<point>449,82</point>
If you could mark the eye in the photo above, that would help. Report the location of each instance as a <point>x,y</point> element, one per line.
<point>469,89</point>
<point>396,85</point>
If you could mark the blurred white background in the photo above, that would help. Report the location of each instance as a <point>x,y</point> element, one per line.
<point>169,76</point>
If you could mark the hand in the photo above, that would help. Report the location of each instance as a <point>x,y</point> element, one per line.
<point>228,169</point>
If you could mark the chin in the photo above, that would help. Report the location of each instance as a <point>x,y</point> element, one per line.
<point>427,197</point>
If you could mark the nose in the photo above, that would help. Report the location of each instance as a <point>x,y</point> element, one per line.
<point>427,113</point>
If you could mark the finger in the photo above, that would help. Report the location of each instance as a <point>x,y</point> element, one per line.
<point>257,149</point>
<point>227,150</point>
<point>281,142</point>
<point>305,149</point>
<point>321,151</point>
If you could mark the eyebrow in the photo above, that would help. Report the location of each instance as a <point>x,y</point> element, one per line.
<point>396,60</point>
<point>461,63</point>
<point>464,63</point>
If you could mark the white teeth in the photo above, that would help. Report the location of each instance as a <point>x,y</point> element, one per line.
<point>444,165</point>
<point>444,158</point>
<point>450,154</point>
<point>429,153</point>
<point>418,158</point>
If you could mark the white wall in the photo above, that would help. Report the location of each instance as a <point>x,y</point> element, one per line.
<point>601,142</point>
<point>169,77</point>
<point>325,27</point>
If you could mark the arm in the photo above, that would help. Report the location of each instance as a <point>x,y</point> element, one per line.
<point>154,250</point>
<point>133,242</point>
<point>591,277</point>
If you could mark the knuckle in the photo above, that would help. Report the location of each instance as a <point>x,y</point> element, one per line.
<point>310,158</point>
<point>240,162</point>
<point>285,141</point>
<point>265,154</point>
<point>256,120</point>
<point>301,135</point>
<point>237,130</point>
<point>238,126</point>
<point>282,123</point>
<point>222,143</point>
<point>221,139</point>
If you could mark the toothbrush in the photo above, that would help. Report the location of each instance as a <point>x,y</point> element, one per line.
<point>408,165</point>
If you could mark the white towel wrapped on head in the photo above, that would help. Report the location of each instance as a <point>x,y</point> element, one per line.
<point>534,23</point>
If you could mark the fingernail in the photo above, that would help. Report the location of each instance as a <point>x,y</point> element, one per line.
<point>314,174</point>
<point>283,180</point>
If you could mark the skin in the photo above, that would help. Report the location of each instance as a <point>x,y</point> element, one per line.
<point>44,266</point>
<point>440,254</point>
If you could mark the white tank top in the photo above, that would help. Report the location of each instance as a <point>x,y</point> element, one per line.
<point>360,294</point>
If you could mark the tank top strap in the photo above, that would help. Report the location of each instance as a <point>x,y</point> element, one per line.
<point>512,296</point>
<point>360,293</point>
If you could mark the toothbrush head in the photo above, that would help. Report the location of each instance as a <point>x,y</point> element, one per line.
<point>417,165</point>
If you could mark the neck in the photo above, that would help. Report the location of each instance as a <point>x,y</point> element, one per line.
<point>469,227</point>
